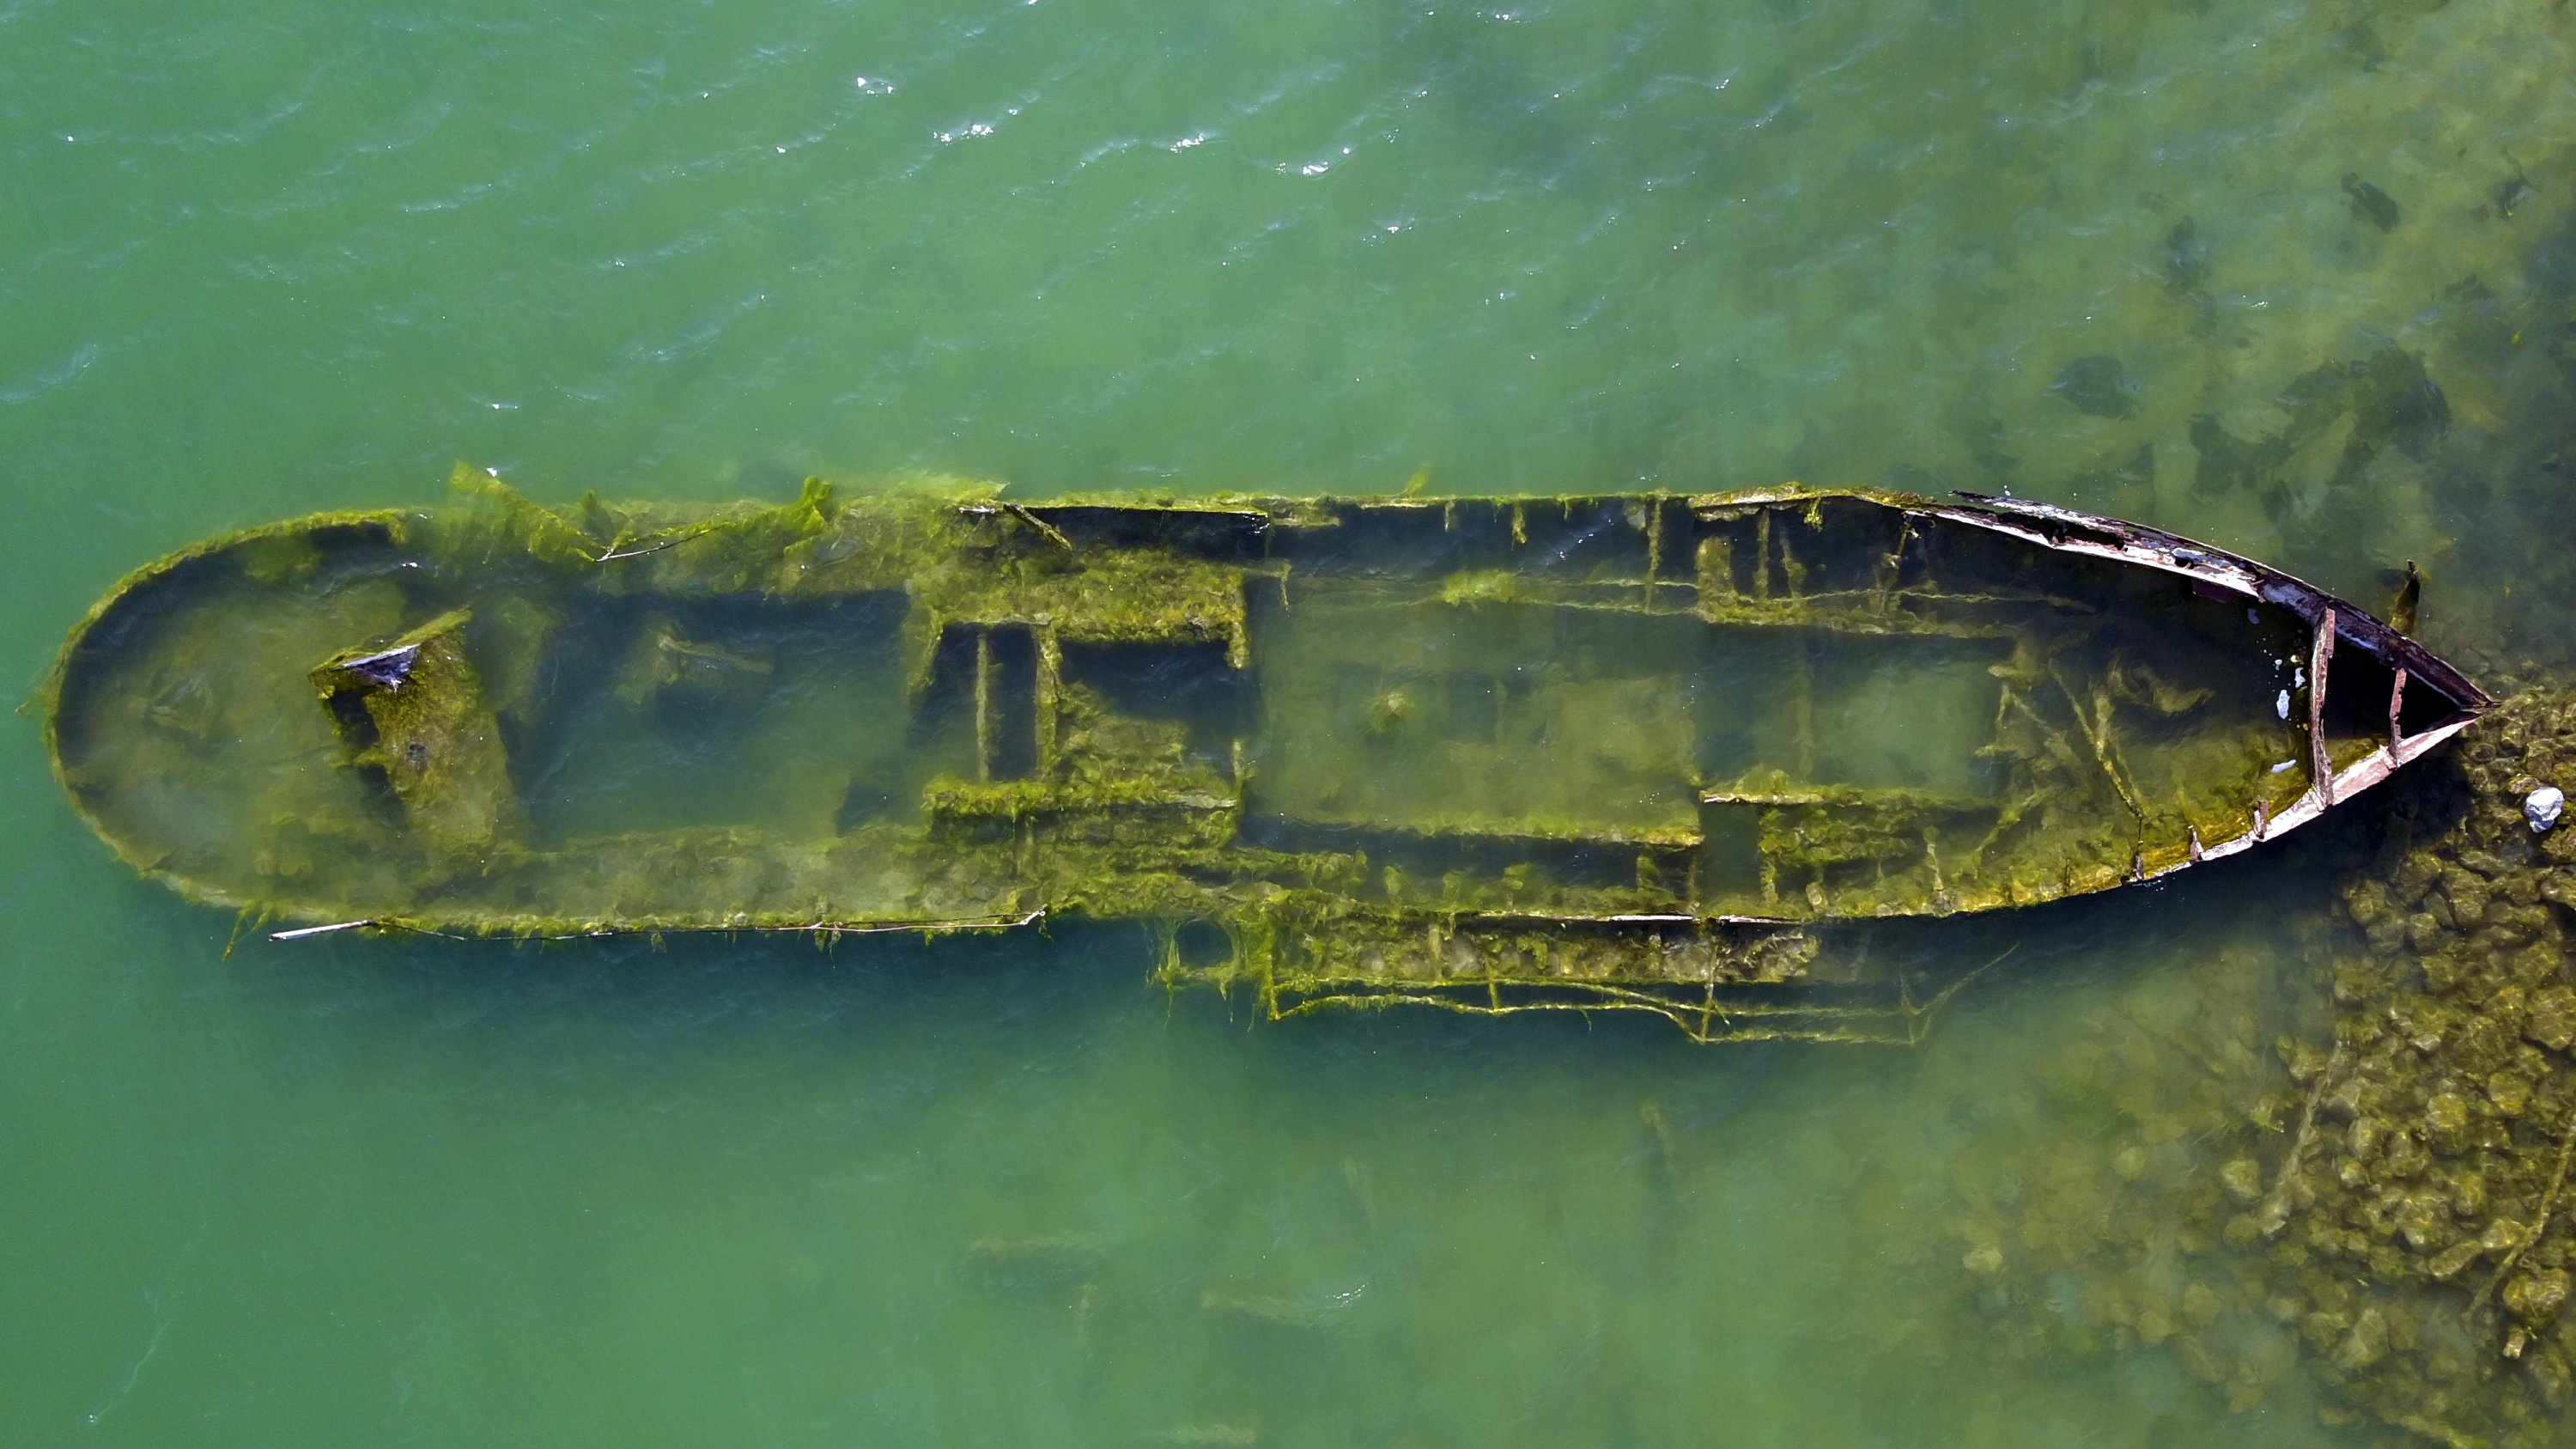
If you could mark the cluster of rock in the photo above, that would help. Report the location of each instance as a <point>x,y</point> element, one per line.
<point>2431,1156</point>
<point>2384,1203</point>
<point>2103,1228</point>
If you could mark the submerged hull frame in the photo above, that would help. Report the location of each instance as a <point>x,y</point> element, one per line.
<point>1305,943</point>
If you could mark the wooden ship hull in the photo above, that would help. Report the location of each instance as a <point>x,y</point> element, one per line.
<point>1489,753</point>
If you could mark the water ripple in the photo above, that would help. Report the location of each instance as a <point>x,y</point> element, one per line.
<point>277,113</point>
<point>464,196</point>
<point>45,382</point>
<point>704,335</point>
<point>419,126</point>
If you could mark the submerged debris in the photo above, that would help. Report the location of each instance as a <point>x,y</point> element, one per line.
<point>2186,259</point>
<point>2369,203</point>
<point>2097,386</point>
<point>2382,402</point>
<point>413,713</point>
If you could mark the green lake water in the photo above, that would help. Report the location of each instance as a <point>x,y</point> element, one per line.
<point>2295,278</point>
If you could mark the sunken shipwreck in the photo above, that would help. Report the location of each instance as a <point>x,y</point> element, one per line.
<point>1493,754</point>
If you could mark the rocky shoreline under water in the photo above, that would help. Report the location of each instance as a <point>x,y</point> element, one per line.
<point>2361,1205</point>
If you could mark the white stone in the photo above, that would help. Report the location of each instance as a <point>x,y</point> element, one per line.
<point>2541,806</point>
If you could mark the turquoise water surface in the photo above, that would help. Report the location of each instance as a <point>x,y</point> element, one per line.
<point>2295,278</point>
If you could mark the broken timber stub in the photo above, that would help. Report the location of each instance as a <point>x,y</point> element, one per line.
<point>413,711</point>
<point>1490,754</point>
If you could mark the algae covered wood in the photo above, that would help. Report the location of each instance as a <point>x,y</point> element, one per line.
<point>1493,754</point>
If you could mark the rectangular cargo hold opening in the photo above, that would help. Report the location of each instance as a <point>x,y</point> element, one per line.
<point>657,712</point>
<point>1590,723</point>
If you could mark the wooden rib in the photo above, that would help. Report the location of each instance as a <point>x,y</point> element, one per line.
<point>2097,735</point>
<point>1053,534</point>
<point>1654,547</point>
<point>1050,690</point>
<point>2320,655</point>
<point>1006,921</point>
<point>2396,705</point>
<point>984,705</point>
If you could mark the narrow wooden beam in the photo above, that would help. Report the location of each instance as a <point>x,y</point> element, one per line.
<point>984,704</point>
<point>2320,655</point>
